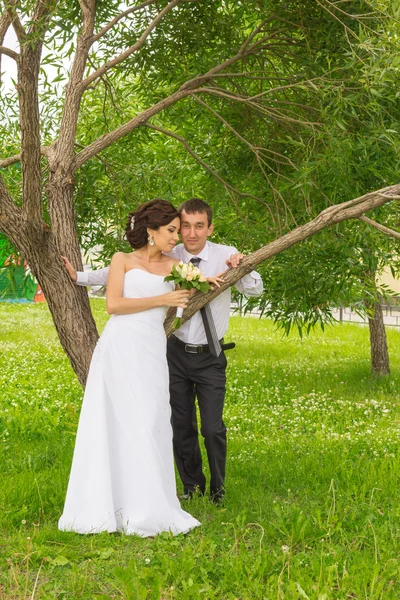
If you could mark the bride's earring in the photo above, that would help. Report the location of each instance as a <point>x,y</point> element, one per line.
<point>150,239</point>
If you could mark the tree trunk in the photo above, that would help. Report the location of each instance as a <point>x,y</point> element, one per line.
<point>377,336</point>
<point>68,303</point>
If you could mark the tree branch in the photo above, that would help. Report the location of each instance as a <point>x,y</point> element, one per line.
<point>257,150</point>
<point>9,52</point>
<point>185,90</point>
<point>118,18</point>
<point>11,160</point>
<point>15,21</point>
<point>207,167</point>
<point>352,209</point>
<point>74,90</point>
<point>42,13</point>
<point>244,51</point>
<point>272,113</point>
<point>136,46</point>
<point>380,227</point>
<point>109,138</point>
<point>29,116</point>
<point>4,25</point>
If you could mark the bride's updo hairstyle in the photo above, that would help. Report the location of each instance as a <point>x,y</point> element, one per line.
<point>152,215</point>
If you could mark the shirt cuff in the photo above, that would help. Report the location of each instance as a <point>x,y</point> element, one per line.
<point>82,278</point>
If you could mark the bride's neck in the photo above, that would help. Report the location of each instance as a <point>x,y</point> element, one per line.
<point>149,254</point>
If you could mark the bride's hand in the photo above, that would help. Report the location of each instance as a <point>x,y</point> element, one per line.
<point>177,298</point>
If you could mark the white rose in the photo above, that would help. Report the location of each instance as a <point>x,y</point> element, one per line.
<point>202,278</point>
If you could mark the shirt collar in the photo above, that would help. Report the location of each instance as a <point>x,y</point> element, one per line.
<point>203,255</point>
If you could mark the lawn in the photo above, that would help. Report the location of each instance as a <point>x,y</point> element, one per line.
<point>312,508</point>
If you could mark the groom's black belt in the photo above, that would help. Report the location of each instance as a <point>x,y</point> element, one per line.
<point>199,348</point>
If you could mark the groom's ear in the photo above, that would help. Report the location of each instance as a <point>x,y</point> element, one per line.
<point>210,229</point>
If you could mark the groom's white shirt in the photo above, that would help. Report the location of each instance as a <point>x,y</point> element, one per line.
<point>213,262</point>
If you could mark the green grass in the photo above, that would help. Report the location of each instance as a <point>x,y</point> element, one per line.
<point>312,508</point>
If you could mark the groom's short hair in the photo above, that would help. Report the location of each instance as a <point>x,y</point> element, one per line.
<point>196,205</point>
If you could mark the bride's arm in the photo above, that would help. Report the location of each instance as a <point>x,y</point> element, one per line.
<point>117,305</point>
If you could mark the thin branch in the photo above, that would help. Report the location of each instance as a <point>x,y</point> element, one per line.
<point>9,52</point>
<point>358,17</point>
<point>136,46</point>
<point>287,86</point>
<point>185,90</point>
<point>207,167</point>
<point>11,160</point>
<point>42,16</point>
<point>380,227</point>
<point>118,18</point>
<point>271,112</point>
<point>252,36</point>
<point>244,51</point>
<point>109,138</point>
<point>346,28</point>
<point>256,149</point>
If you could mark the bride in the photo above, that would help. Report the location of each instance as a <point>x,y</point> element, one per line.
<point>122,476</point>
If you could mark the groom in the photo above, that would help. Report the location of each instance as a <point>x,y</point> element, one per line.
<point>197,363</point>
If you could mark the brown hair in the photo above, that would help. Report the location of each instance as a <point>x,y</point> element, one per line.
<point>152,215</point>
<point>197,205</point>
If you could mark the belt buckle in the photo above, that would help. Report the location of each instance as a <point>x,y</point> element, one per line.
<point>193,349</point>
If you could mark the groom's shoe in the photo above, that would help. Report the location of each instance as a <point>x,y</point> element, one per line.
<point>186,496</point>
<point>217,497</point>
<point>189,494</point>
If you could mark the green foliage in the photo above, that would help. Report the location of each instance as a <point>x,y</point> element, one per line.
<point>6,250</point>
<point>322,127</point>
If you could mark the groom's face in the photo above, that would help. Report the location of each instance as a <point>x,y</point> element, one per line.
<point>195,231</point>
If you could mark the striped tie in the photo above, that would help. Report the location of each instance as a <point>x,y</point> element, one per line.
<point>208,322</point>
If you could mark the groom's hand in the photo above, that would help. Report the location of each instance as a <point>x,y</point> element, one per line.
<point>234,260</point>
<point>71,271</point>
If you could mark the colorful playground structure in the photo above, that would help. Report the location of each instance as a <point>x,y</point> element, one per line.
<point>17,284</point>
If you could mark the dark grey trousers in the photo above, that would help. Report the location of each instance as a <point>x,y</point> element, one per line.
<point>201,375</point>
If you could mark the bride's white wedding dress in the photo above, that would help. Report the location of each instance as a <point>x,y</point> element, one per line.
<point>122,476</point>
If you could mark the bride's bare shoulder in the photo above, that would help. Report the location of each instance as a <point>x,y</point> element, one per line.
<point>123,259</point>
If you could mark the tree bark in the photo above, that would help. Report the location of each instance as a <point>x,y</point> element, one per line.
<point>377,335</point>
<point>377,332</point>
<point>68,303</point>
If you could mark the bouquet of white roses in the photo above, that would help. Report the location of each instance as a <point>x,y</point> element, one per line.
<point>187,277</point>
